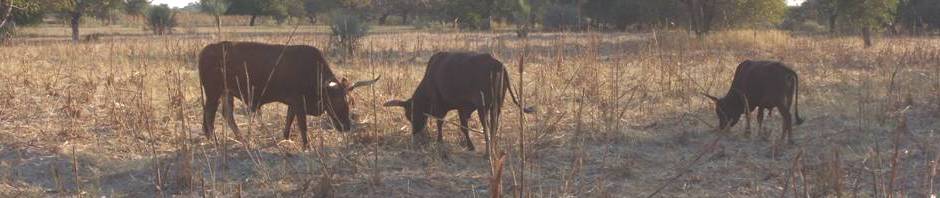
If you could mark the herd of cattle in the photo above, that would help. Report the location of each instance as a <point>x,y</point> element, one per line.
<point>299,76</point>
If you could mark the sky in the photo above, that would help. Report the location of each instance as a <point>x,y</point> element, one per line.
<point>181,3</point>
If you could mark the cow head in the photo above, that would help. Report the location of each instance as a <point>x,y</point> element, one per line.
<point>337,102</point>
<point>728,110</point>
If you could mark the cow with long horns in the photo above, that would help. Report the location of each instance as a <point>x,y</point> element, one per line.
<point>258,74</point>
<point>461,81</point>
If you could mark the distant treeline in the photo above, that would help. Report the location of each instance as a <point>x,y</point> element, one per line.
<point>698,16</point>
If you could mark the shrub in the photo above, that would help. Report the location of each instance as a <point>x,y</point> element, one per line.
<point>161,19</point>
<point>561,17</point>
<point>345,31</point>
<point>7,30</point>
<point>809,27</point>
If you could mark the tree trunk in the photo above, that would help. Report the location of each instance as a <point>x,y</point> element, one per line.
<point>383,18</point>
<point>7,13</point>
<point>832,24</point>
<point>488,15</point>
<point>75,22</point>
<point>866,36</point>
<point>404,17</point>
<point>252,21</point>
<point>218,24</point>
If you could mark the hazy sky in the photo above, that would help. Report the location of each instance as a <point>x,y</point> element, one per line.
<point>181,3</point>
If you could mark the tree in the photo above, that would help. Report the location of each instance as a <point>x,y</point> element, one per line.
<point>253,8</point>
<point>295,8</point>
<point>136,8</point>
<point>106,10</point>
<point>758,12</point>
<point>216,8</point>
<point>316,7</point>
<point>74,10</point>
<point>860,15</point>
<point>403,8</point>
<point>619,14</point>
<point>918,15</point>
<point>871,15</point>
<point>161,19</point>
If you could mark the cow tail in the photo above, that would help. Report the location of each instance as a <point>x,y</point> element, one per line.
<point>513,95</point>
<point>796,100</point>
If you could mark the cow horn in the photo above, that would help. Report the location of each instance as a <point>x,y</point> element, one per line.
<point>364,83</point>
<point>710,97</point>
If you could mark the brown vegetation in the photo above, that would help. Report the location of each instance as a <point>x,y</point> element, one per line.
<point>621,117</point>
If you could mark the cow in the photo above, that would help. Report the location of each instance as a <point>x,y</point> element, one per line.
<point>763,85</point>
<point>258,74</point>
<point>461,81</point>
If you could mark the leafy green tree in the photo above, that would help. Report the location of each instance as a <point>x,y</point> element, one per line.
<point>20,12</point>
<point>216,8</point>
<point>161,19</point>
<point>136,8</point>
<point>15,13</point>
<point>467,14</point>
<point>403,8</point>
<point>74,10</point>
<point>619,14</point>
<point>317,7</point>
<point>918,15</point>
<point>253,8</point>
<point>871,15</point>
<point>107,10</point>
<point>858,15</point>
<point>758,12</point>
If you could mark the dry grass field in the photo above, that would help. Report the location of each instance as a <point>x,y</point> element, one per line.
<point>620,115</point>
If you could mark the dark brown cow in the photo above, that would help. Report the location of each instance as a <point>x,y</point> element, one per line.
<point>763,85</point>
<point>465,82</point>
<point>257,74</point>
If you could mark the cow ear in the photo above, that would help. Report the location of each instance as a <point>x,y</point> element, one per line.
<point>394,103</point>
<point>715,99</point>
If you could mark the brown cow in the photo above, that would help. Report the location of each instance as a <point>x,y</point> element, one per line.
<point>763,85</point>
<point>461,81</point>
<point>257,74</point>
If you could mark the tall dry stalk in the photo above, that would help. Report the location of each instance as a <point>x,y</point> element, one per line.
<point>522,151</point>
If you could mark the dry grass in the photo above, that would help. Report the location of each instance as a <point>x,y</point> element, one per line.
<point>619,116</point>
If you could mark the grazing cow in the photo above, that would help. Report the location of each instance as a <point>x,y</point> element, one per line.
<point>764,85</point>
<point>257,74</point>
<point>461,81</point>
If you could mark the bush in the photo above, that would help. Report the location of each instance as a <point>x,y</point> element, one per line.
<point>561,17</point>
<point>161,19</point>
<point>6,31</point>
<point>809,27</point>
<point>345,31</point>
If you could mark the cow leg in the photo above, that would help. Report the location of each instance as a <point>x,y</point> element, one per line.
<point>301,115</point>
<point>787,132</point>
<point>747,123</point>
<point>465,128</point>
<point>229,114</point>
<point>760,123</point>
<point>440,128</point>
<point>289,121</point>
<point>208,113</point>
